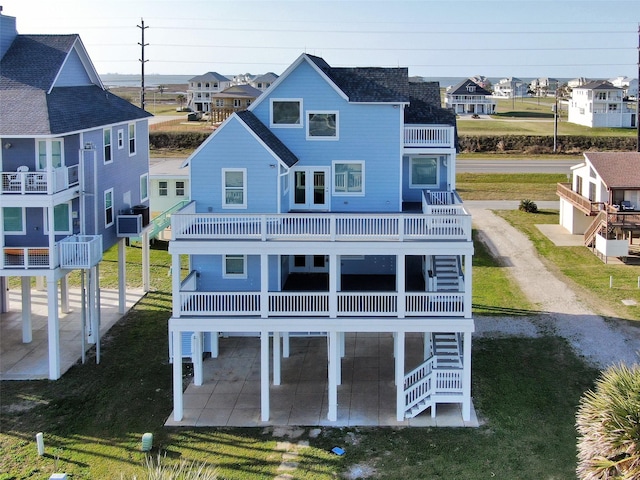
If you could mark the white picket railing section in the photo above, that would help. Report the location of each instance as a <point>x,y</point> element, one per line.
<point>429,136</point>
<point>321,227</point>
<point>425,383</point>
<point>80,251</point>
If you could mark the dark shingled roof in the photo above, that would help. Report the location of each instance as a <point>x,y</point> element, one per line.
<point>209,76</point>
<point>390,85</point>
<point>617,169</point>
<point>28,71</point>
<point>461,88</point>
<point>267,136</point>
<point>599,85</point>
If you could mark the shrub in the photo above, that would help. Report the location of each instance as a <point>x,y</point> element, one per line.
<point>608,424</point>
<point>528,206</point>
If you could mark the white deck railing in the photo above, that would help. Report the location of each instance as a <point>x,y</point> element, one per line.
<point>80,251</point>
<point>442,203</point>
<point>321,227</point>
<point>29,257</point>
<point>426,382</point>
<point>349,304</point>
<point>429,136</point>
<point>40,182</point>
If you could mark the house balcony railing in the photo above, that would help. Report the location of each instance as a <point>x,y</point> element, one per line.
<point>563,190</point>
<point>429,136</point>
<point>439,202</point>
<point>188,225</point>
<point>346,304</point>
<point>76,251</point>
<point>40,182</point>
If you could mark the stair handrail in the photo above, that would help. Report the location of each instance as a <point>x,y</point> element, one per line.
<point>598,222</point>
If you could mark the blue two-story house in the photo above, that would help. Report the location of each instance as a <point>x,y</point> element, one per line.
<point>329,206</point>
<point>73,158</point>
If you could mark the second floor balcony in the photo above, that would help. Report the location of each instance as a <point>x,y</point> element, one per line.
<point>440,136</point>
<point>75,251</point>
<point>24,181</point>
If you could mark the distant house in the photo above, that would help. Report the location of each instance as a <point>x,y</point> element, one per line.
<point>202,88</point>
<point>544,86</point>
<point>169,184</point>
<point>74,176</point>
<point>602,201</point>
<point>262,82</point>
<point>232,99</point>
<point>468,98</point>
<point>600,104</point>
<point>511,87</point>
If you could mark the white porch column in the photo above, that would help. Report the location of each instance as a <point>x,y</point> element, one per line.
<point>334,371</point>
<point>264,285</point>
<point>468,282</point>
<point>64,294</point>
<point>285,344</point>
<point>27,329</point>
<point>97,309</point>
<point>122,276</point>
<point>53,329</point>
<point>333,285</point>
<point>400,284</point>
<point>466,378</point>
<point>146,263</point>
<point>175,284</point>
<point>399,374</point>
<point>215,344</point>
<point>277,363</point>
<point>40,283</point>
<point>427,345</point>
<point>196,352</point>
<point>264,375</point>
<point>178,403</point>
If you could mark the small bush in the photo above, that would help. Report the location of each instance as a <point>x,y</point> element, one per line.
<point>528,206</point>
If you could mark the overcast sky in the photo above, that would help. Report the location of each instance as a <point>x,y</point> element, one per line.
<point>434,38</point>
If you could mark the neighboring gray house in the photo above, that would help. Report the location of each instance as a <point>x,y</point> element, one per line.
<point>262,82</point>
<point>73,157</point>
<point>202,88</point>
<point>469,98</point>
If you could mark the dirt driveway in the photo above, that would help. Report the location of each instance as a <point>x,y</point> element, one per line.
<point>600,342</point>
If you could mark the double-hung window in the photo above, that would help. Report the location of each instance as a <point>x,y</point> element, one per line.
<point>13,220</point>
<point>423,172</point>
<point>348,178</point>
<point>322,126</point>
<point>234,188</point>
<point>108,208</point>
<point>179,189</point>
<point>286,112</point>
<point>163,189</point>
<point>132,139</point>
<point>234,266</point>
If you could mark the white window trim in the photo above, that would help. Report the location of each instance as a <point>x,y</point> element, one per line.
<point>323,138</point>
<point>135,139</point>
<point>110,144</point>
<point>49,152</point>
<point>183,188</point>
<point>333,179</point>
<point>113,209</point>
<point>423,186</point>
<point>226,274</point>
<point>120,139</point>
<point>144,177</point>
<point>165,188</point>
<point>58,232</point>
<point>286,125</point>
<point>244,188</point>
<point>24,223</point>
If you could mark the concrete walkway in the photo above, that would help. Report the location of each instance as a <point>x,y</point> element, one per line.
<point>30,361</point>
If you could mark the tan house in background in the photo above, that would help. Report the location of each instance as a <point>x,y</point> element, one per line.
<point>232,99</point>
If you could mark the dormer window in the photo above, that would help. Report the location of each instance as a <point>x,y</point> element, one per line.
<point>471,88</point>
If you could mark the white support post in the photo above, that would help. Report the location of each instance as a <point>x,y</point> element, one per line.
<point>427,345</point>
<point>175,284</point>
<point>399,374</point>
<point>40,283</point>
<point>196,354</point>
<point>468,282</point>
<point>277,363</point>
<point>215,344</point>
<point>27,328</point>
<point>285,345</point>
<point>400,282</point>
<point>90,306</point>
<point>122,276</point>
<point>178,403</point>
<point>53,328</point>
<point>333,285</point>
<point>264,375</point>
<point>264,285</point>
<point>146,263</point>
<point>64,294</point>
<point>334,366</point>
<point>466,378</point>
<point>98,318</point>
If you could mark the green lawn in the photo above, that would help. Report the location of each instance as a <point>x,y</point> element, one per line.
<point>508,186</point>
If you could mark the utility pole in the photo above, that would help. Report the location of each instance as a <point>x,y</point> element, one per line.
<point>638,97</point>
<point>142,61</point>
<point>555,124</point>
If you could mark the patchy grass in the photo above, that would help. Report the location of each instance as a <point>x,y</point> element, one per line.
<point>508,186</point>
<point>582,269</point>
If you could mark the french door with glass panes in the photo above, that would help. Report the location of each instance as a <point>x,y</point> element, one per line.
<point>310,189</point>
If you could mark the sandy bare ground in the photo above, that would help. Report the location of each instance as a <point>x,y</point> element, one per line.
<point>601,342</point>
